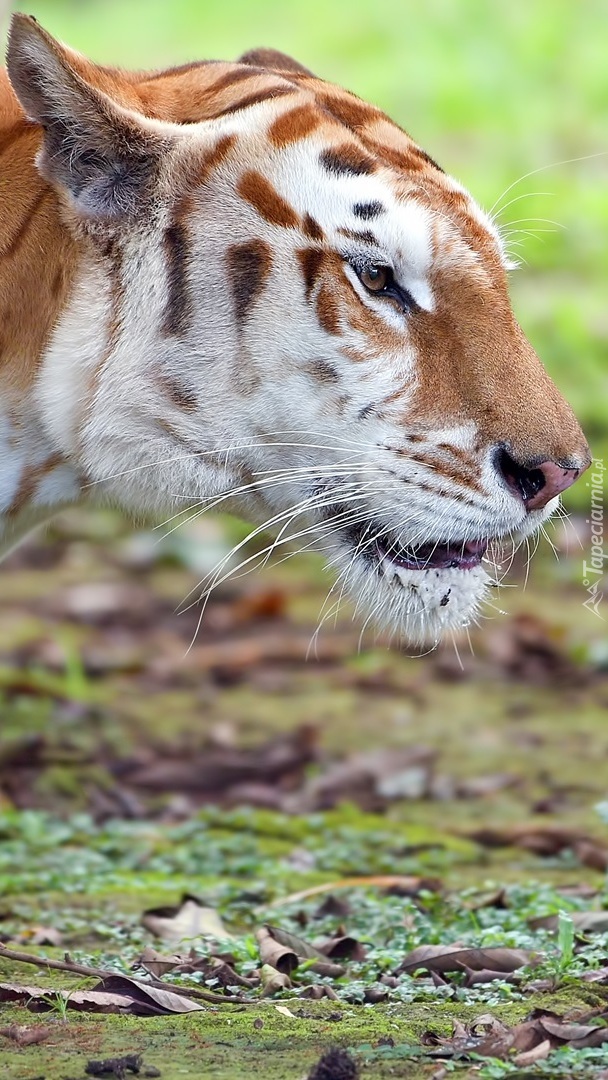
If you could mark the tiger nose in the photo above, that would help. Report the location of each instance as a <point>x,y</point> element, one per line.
<point>538,485</point>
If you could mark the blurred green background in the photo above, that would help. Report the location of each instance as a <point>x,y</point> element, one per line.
<point>493,91</point>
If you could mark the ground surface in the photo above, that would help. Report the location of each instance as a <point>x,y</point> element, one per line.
<point>124,760</point>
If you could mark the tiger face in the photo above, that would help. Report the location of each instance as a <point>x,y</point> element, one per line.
<point>282,306</point>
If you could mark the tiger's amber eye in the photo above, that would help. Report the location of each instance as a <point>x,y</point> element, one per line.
<point>375,278</point>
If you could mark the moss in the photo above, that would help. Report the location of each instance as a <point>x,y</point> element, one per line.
<point>231,1043</point>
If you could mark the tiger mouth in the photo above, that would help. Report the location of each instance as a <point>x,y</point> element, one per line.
<point>379,548</point>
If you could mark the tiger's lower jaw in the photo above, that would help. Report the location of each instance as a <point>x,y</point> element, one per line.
<point>420,607</point>
<point>417,604</point>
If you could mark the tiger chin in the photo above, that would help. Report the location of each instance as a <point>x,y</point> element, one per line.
<point>238,285</point>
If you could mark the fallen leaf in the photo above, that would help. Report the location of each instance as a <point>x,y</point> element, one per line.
<point>155,963</point>
<point>190,921</point>
<point>585,922</point>
<point>219,768</point>
<point>318,991</point>
<point>273,980</point>
<point>546,840</point>
<point>343,948</point>
<point>117,994</point>
<point>275,953</point>
<point>285,1011</point>
<point>538,1053</point>
<point>26,1036</point>
<point>413,885</point>
<point>455,958</point>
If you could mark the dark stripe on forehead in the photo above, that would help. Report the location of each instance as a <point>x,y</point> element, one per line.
<point>327,310</point>
<point>311,261</point>
<point>410,159</point>
<point>239,73</point>
<point>214,158</point>
<point>248,265</point>
<point>267,94</point>
<point>367,211</point>
<point>347,160</point>
<point>312,228</point>
<point>294,125</point>
<point>429,160</point>
<point>272,58</point>
<point>364,236</point>
<point>178,310</point>
<point>257,190</point>
<point>349,110</point>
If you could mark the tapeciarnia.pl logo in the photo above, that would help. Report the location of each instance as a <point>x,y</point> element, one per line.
<point>594,568</point>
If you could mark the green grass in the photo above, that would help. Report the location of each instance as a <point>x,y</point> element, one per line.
<point>92,883</point>
<point>493,91</point>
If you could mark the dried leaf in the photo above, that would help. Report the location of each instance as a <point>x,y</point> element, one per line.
<point>273,980</point>
<point>454,958</point>
<point>39,935</point>
<point>413,885</point>
<point>343,948</point>
<point>191,921</point>
<point>152,998</point>
<point>585,922</point>
<point>285,1011</point>
<point>155,963</point>
<point>278,955</point>
<point>117,994</point>
<point>538,1053</point>
<point>26,1036</point>
<point>318,991</point>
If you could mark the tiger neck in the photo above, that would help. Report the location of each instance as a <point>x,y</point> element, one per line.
<point>38,262</point>
<point>36,480</point>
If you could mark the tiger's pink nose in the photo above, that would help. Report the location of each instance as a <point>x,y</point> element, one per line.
<point>557,480</point>
<point>537,486</point>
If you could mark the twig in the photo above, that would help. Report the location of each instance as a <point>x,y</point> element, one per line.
<point>100,973</point>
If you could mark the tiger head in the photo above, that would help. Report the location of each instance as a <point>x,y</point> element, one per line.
<point>281,305</point>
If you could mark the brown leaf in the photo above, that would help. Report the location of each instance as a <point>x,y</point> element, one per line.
<point>478,978</point>
<point>273,980</point>
<point>454,958</point>
<point>220,768</point>
<point>155,963</point>
<point>191,921</point>
<point>565,1030</point>
<point>284,951</point>
<point>39,935</point>
<point>117,994</point>
<point>413,885</point>
<point>546,840</point>
<point>318,991</point>
<point>343,948</point>
<point>537,1053</point>
<point>26,1036</point>
<point>585,922</point>
<point>151,998</point>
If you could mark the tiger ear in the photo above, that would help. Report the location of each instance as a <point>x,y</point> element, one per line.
<point>272,58</point>
<point>99,151</point>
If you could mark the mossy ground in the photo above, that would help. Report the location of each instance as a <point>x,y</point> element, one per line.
<point>544,727</point>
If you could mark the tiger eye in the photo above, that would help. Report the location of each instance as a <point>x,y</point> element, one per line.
<point>375,278</point>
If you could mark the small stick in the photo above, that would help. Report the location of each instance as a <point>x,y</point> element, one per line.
<point>100,973</point>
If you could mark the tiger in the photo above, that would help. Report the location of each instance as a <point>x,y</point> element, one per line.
<point>237,285</point>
